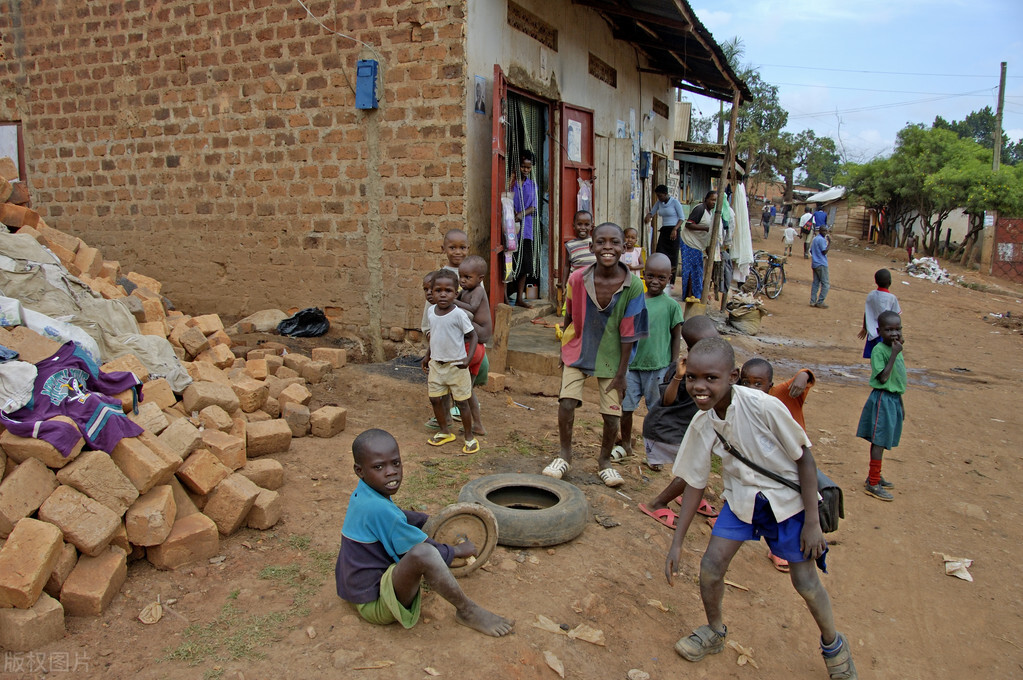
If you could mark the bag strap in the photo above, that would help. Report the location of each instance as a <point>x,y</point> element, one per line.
<point>764,471</point>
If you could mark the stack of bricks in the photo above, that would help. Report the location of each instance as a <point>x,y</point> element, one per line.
<point>202,469</point>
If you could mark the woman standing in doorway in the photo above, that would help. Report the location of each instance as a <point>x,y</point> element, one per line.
<point>672,216</point>
<point>524,199</point>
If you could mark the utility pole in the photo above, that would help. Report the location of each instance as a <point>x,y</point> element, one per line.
<point>998,121</point>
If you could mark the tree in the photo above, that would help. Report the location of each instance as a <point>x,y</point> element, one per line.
<point>805,150</point>
<point>979,126</point>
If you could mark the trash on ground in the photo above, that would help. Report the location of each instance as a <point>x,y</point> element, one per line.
<point>152,612</point>
<point>738,586</point>
<point>745,654</point>
<point>928,268</point>
<point>554,663</point>
<point>581,632</point>
<point>658,604</point>
<point>957,566</point>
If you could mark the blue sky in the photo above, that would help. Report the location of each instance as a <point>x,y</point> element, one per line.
<point>792,42</point>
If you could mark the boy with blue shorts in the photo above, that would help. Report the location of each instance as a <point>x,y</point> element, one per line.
<point>760,428</point>
<point>385,555</point>
<point>654,353</point>
<point>882,416</point>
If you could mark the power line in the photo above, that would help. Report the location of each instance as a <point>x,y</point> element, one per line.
<point>888,73</point>
<point>867,89</point>
<point>885,106</point>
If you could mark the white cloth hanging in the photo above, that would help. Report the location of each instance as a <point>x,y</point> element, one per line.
<point>742,240</point>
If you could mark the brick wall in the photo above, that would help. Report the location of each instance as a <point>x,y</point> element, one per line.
<point>216,145</point>
<point>1008,251</point>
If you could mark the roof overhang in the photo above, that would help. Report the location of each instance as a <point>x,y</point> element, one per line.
<point>712,155</point>
<point>675,44</point>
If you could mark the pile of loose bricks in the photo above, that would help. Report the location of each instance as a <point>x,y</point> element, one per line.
<point>71,525</point>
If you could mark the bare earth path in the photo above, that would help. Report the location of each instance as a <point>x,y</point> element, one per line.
<point>251,615</point>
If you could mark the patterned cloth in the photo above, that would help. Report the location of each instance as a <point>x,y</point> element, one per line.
<point>592,341</point>
<point>692,271</point>
<point>578,252</point>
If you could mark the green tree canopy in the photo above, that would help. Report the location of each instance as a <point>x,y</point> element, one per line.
<point>979,126</point>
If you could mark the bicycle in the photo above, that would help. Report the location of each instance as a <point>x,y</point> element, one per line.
<point>767,274</point>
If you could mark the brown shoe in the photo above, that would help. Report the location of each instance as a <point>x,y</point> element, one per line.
<point>841,666</point>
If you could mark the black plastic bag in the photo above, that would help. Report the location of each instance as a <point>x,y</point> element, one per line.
<point>308,323</point>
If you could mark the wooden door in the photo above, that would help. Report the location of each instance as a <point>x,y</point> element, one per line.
<point>498,112</point>
<point>577,163</point>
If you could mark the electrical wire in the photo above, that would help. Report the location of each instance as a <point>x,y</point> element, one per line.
<point>346,37</point>
<point>867,89</point>
<point>886,106</point>
<point>888,73</point>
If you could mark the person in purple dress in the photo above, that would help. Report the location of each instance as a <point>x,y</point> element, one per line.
<point>524,199</point>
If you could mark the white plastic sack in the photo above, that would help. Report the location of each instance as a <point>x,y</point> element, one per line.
<point>58,331</point>
<point>10,312</point>
<point>17,378</point>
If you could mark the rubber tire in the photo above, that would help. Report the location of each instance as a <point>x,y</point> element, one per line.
<point>774,283</point>
<point>534,528</point>
<point>475,520</point>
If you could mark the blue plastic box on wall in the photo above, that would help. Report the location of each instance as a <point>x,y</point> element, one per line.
<point>366,84</point>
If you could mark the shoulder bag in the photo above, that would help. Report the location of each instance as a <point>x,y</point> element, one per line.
<point>830,508</point>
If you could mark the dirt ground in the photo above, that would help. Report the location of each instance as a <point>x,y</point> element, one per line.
<point>268,609</point>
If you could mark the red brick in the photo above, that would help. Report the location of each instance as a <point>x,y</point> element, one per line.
<point>271,436</point>
<point>230,502</point>
<point>315,371</point>
<point>182,501</point>
<point>215,418</point>
<point>192,539</point>
<point>251,393</point>
<point>65,563</point>
<point>20,449</point>
<point>229,449</point>
<point>129,363</point>
<point>219,355</point>
<point>86,523</point>
<point>202,471</point>
<point>94,582</point>
<point>89,261</point>
<point>266,510</point>
<point>32,346</point>
<point>199,395</point>
<point>23,491</point>
<point>204,371</point>
<point>150,418</point>
<point>266,473</point>
<point>495,383</point>
<point>143,466</point>
<point>150,520</point>
<point>207,323</point>
<point>158,392</point>
<point>297,418</point>
<point>296,361</point>
<point>22,630</point>
<point>26,560</point>
<point>327,421</point>
<point>193,341</point>
<point>294,394</point>
<point>145,282</point>
<point>334,356</point>
<point>256,368</point>
<point>98,477</point>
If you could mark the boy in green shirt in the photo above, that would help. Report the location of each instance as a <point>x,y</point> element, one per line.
<point>881,420</point>
<point>654,353</point>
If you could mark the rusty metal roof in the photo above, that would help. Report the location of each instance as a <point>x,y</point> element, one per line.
<point>674,42</point>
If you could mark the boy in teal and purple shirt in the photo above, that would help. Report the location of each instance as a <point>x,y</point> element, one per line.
<point>604,317</point>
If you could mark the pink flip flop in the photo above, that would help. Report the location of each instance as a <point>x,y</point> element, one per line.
<point>705,509</point>
<point>663,516</point>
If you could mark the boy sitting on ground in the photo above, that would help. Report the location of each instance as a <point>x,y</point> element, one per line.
<point>758,427</point>
<point>385,554</point>
<point>604,317</point>
<point>452,344</point>
<point>758,374</point>
<point>473,300</point>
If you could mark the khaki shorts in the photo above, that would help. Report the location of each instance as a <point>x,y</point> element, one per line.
<point>448,377</point>
<point>386,608</point>
<point>572,380</point>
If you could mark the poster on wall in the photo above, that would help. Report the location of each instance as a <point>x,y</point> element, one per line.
<point>622,130</point>
<point>481,95</point>
<point>634,193</point>
<point>575,141</point>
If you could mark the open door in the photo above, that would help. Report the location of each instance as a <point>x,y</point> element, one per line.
<point>499,158</point>
<point>577,163</point>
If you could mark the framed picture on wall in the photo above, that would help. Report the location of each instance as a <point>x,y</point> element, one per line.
<point>481,95</point>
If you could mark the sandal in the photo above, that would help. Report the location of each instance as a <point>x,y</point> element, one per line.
<point>610,477</point>
<point>432,424</point>
<point>703,641</point>
<point>440,439</point>
<point>706,509</point>
<point>663,516</point>
<point>779,563</point>
<point>556,468</point>
<point>471,446</point>
<point>618,454</point>
<point>841,666</point>
<point>655,467</point>
<point>456,415</point>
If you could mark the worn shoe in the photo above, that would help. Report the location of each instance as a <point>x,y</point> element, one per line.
<point>704,640</point>
<point>878,492</point>
<point>556,468</point>
<point>884,484</point>
<point>841,666</point>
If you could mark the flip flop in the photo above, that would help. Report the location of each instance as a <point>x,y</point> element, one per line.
<point>456,415</point>
<point>432,424</point>
<point>618,454</point>
<point>471,446</point>
<point>705,509</point>
<point>655,467</point>
<point>440,439</point>
<point>779,563</point>
<point>663,516</point>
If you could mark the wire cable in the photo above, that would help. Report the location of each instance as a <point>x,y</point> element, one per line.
<point>887,73</point>
<point>886,106</point>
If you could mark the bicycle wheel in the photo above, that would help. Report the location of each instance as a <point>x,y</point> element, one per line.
<point>773,283</point>
<point>752,283</point>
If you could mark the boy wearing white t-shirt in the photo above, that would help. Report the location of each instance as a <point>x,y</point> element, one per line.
<point>788,237</point>
<point>452,342</point>
<point>758,427</point>
<point>878,301</point>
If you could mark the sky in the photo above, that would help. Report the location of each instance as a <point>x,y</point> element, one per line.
<point>859,71</point>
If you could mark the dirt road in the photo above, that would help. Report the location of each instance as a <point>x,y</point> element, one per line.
<point>254,614</point>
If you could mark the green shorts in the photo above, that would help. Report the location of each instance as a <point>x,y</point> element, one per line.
<point>386,608</point>
<point>481,377</point>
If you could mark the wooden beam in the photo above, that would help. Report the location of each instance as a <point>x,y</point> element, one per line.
<point>706,92</point>
<point>725,69</point>
<point>498,351</point>
<point>617,10</point>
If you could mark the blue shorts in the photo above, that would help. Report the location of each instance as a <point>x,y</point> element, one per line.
<point>869,346</point>
<point>782,537</point>
<point>642,385</point>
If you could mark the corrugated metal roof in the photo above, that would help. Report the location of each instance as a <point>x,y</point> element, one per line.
<point>832,194</point>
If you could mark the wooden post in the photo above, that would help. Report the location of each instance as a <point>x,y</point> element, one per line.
<point>498,353</point>
<point>729,161</point>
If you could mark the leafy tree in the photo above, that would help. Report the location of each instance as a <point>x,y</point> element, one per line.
<point>979,126</point>
<point>792,152</point>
